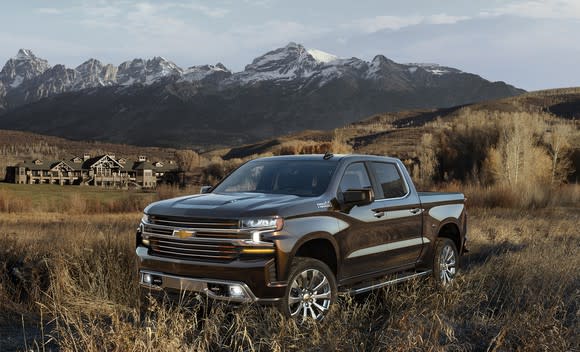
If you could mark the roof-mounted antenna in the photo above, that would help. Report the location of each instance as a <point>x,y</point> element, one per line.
<point>327,155</point>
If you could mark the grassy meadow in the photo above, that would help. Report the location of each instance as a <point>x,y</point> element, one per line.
<point>68,279</point>
<point>68,283</point>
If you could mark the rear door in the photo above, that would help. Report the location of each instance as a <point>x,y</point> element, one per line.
<point>402,214</point>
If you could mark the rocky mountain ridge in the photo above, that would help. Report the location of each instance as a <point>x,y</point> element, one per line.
<point>285,90</point>
<point>27,78</point>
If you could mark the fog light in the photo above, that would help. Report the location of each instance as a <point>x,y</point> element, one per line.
<point>145,242</point>
<point>236,291</point>
<point>147,279</point>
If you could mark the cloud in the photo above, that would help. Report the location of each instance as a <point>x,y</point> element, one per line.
<point>147,20</point>
<point>259,3</point>
<point>49,11</point>
<point>213,12</point>
<point>538,9</point>
<point>378,23</point>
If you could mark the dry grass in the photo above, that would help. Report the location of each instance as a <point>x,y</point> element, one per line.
<point>69,283</point>
<point>525,196</point>
<point>75,200</point>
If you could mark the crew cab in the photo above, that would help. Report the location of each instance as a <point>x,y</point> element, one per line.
<point>296,231</point>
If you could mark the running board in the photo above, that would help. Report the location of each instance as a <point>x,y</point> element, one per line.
<point>356,291</point>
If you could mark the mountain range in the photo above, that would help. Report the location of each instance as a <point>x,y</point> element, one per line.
<point>156,102</point>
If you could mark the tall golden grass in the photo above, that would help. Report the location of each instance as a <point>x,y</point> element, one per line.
<point>75,201</point>
<point>526,196</point>
<point>70,283</point>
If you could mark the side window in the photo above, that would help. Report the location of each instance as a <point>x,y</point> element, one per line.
<point>389,179</point>
<point>355,177</point>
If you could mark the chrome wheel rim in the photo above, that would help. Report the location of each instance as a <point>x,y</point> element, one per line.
<point>310,295</point>
<point>447,265</point>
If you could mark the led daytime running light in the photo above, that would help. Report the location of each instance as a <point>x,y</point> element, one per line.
<point>263,223</point>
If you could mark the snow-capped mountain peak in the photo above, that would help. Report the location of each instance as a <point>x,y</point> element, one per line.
<point>24,66</point>
<point>283,64</point>
<point>321,56</point>
<point>25,54</point>
<point>206,72</point>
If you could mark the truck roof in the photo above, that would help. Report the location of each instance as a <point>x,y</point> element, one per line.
<point>334,157</point>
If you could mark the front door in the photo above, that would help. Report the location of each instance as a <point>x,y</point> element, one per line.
<point>386,234</point>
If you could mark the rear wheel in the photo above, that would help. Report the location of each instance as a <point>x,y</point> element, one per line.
<point>311,290</point>
<point>445,261</point>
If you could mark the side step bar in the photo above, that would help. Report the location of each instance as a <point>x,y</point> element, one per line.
<point>375,285</point>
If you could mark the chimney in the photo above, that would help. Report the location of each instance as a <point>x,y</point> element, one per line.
<point>86,157</point>
<point>142,158</point>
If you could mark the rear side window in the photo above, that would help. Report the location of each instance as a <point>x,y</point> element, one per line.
<point>389,179</point>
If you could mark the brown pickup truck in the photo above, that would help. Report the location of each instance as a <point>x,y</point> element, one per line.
<point>296,231</point>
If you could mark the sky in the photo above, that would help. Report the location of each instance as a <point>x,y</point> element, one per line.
<point>532,44</point>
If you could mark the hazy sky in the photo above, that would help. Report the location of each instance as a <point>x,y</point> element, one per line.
<point>532,44</point>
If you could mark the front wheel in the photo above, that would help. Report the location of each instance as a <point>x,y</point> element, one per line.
<point>311,290</point>
<point>445,261</point>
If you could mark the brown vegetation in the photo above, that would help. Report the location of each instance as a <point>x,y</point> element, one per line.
<point>70,283</point>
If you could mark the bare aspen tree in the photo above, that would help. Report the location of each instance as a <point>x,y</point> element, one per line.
<point>427,159</point>
<point>558,143</point>
<point>187,160</point>
<point>517,159</point>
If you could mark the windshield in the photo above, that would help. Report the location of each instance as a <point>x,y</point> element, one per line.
<point>307,178</point>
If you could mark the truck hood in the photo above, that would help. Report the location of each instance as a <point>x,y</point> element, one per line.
<point>231,205</point>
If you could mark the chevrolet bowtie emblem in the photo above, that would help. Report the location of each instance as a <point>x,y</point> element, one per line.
<point>181,233</point>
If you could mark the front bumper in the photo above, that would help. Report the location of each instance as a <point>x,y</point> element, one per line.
<point>236,281</point>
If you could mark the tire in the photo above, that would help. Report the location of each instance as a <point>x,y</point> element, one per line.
<point>311,290</point>
<point>445,261</point>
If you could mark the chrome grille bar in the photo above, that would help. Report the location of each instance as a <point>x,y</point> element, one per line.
<point>174,247</point>
<point>216,224</point>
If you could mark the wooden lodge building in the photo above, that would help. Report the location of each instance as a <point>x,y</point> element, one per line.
<point>103,171</point>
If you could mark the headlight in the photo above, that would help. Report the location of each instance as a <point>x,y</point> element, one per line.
<point>145,219</point>
<point>273,223</point>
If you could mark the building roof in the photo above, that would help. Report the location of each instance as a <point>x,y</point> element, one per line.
<point>45,165</point>
<point>89,163</point>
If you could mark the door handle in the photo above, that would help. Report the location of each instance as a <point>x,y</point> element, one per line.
<point>379,214</point>
<point>416,211</point>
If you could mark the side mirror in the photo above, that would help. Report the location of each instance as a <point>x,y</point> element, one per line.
<point>205,189</point>
<point>353,197</point>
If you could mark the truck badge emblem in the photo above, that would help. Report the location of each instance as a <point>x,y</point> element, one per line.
<point>181,233</point>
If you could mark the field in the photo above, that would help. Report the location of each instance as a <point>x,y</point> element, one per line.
<point>68,269</point>
<point>68,283</point>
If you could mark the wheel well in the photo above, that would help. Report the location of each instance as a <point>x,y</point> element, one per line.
<point>451,231</point>
<point>320,249</point>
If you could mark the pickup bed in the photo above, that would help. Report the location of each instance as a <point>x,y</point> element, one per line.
<point>296,231</point>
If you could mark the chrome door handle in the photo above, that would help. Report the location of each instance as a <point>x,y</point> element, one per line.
<point>379,214</point>
<point>416,211</point>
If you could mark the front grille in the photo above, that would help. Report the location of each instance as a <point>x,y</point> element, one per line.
<point>199,233</point>
<point>192,250</point>
<point>210,239</point>
<point>179,222</point>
